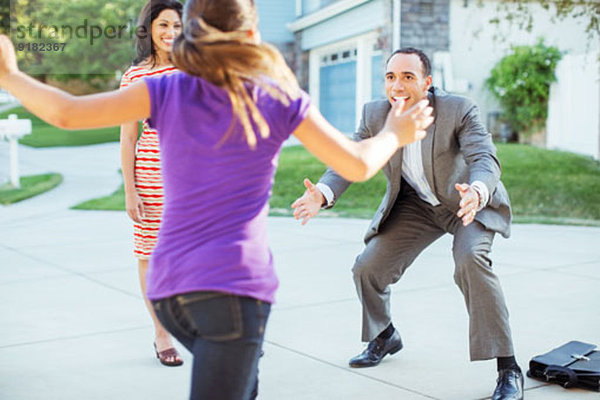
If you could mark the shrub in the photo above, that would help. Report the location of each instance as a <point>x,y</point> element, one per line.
<point>521,83</point>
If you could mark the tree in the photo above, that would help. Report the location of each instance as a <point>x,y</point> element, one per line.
<point>521,81</point>
<point>4,16</point>
<point>519,13</point>
<point>84,39</point>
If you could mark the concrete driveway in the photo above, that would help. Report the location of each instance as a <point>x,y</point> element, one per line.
<point>74,326</point>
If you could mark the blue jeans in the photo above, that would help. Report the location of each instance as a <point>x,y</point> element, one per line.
<point>224,333</point>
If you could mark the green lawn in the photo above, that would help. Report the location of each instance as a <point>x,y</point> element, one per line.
<point>295,164</point>
<point>44,135</point>
<point>30,186</point>
<point>544,186</point>
<point>112,202</point>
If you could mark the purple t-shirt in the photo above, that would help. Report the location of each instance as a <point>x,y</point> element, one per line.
<point>213,235</point>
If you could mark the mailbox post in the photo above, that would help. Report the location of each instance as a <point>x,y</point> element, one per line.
<point>12,129</point>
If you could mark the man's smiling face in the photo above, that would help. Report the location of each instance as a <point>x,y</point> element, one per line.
<point>405,78</point>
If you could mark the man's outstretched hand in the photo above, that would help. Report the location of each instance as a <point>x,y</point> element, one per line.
<point>309,204</point>
<point>469,203</point>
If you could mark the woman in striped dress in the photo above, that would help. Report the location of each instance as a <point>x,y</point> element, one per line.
<point>140,158</point>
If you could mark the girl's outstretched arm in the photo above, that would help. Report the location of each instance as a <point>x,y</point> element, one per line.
<point>359,161</point>
<point>64,110</point>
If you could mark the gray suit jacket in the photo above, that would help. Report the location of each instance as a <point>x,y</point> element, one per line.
<point>457,149</point>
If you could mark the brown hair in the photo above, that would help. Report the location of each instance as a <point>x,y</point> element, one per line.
<point>216,45</point>
<point>144,43</point>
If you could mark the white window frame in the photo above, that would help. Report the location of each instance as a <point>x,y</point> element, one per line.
<point>376,52</point>
<point>364,45</point>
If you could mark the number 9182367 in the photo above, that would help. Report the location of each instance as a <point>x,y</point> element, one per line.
<point>42,47</point>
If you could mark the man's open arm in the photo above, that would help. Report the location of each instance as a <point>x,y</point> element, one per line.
<point>478,149</point>
<point>479,153</point>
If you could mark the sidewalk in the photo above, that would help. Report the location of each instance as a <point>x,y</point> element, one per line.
<point>8,106</point>
<point>75,327</point>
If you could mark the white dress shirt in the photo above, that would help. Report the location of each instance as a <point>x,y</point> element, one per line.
<point>414,174</point>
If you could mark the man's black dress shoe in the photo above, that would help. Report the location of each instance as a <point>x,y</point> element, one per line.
<point>510,385</point>
<point>376,350</point>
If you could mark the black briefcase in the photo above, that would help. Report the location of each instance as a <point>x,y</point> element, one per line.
<point>574,364</point>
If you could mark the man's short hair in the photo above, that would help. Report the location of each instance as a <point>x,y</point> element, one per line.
<point>422,56</point>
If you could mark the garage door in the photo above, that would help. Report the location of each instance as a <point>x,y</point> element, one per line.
<point>337,89</point>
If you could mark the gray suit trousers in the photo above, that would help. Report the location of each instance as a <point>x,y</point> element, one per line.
<point>411,226</point>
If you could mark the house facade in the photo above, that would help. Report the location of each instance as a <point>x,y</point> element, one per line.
<point>341,47</point>
<point>573,122</point>
<point>338,48</point>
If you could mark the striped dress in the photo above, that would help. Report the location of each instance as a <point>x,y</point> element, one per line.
<point>148,179</point>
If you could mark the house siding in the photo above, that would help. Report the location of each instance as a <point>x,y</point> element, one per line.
<point>273,17</point>
<point>354,22</point>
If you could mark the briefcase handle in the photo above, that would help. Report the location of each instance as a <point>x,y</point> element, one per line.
<point>564,376</point>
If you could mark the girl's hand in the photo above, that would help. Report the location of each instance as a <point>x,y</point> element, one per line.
<point>8,58</point>
<point>134,206</point>
<point>409,126</point>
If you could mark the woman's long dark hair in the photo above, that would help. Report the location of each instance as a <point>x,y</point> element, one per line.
<point>215,45</point>
<point>143,43</point>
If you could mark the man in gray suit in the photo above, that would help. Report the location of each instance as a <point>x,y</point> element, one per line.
<point>448,183</point>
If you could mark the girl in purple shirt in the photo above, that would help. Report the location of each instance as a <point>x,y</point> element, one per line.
<point>221,123</point>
